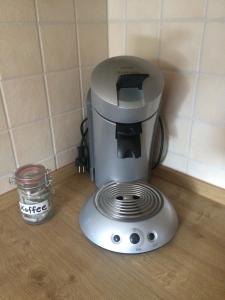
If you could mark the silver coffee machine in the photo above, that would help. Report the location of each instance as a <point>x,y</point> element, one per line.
<point>126,214</point>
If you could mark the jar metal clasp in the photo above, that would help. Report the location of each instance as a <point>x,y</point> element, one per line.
<point>12,180</point>
<point>48,178</point>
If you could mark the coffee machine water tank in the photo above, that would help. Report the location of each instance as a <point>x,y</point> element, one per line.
<point>122,107</point>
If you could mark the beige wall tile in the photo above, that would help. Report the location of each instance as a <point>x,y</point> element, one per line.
<point>66,157</point>
<point>19,10</point>
<point>216,9</point>
<point>180,43</point>
<point>19,50</point>
<point>59,43</point>
<point>7,163</point>
<point>86,78</point>
<point>175,162</point>
<point>178,94</point>
<point>89,10</point>
<point>207,146</point>
<point>214,49</point>
<point>142,39</point>
<point>93,43</point>
<point>210,103</point>
<point>183,8</point>
<point>116,9</point>
<point>56,10</point>
<point>33,142</point>
<point>26,100</point>
<point>143,9</point>
<point>3,124</point>
<point>116,39</point>
<point>49,163</point>
<point>179,134</point>
<point>64,91</point>
<point>5,186</point>
<point>206,173</point>
<point>67,130</point>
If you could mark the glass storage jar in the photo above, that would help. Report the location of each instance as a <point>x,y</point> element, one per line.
<point>35,195</point>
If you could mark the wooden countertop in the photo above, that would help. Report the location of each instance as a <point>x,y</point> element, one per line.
<point>55,261</point>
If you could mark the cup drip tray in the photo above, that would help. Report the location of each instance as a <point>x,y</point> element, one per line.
<point>130,218</point>
<point>128,201</point>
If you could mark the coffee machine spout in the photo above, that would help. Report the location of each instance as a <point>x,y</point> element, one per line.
<point>128,140</point>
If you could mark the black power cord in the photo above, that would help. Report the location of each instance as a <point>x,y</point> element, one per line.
<point>162,143</point>
<point>82,160</point>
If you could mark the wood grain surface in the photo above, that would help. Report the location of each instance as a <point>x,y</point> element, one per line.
<point>55,261</point>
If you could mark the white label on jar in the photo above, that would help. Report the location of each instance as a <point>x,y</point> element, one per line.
<point>34,209</point>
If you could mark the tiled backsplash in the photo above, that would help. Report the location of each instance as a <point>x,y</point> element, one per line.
<point>47,51</point>
<point>186,38</point>
<point>49,48</point>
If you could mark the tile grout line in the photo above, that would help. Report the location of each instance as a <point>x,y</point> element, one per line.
<point>199,120</point>
<point>9,129</point>
<point>196,84</point>
<point>46,84</point>
<point>166,20</point>
<point>134,20</point>
<point>45,159</point>
<point>42,161</point>
<point>68,149</point>
<point>177,116</point>
<point>160,32</point>
<point>178,154</point>
<point>45,73</point>
<point>204,164</point>
<point>213,75</point>
<point>199,163</point>
<point>79,59</point>
<point>42,119</point>
<point>125,28</point>
<point>183,71</point>
<point>107,23</point>
<point>35,22</point>
<point>171,152</point>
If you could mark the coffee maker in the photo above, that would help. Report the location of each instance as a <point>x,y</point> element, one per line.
<point>126,214</point>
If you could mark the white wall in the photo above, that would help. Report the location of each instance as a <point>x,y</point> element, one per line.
<point>186,38</point>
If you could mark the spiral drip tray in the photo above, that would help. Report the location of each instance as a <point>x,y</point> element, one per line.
<point>131,217</point>
<point>128,201</point>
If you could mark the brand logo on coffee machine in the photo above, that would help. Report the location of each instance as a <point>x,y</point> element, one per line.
<point>34,209</point>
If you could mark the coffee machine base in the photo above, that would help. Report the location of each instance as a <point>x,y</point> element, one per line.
<point>128,218</point>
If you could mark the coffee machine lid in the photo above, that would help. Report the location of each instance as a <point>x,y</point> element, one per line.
<point>126,89</point>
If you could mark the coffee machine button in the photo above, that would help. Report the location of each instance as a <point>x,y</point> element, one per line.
<point>151,236</point>
<point>134,238</point>
<point>116,238</point>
